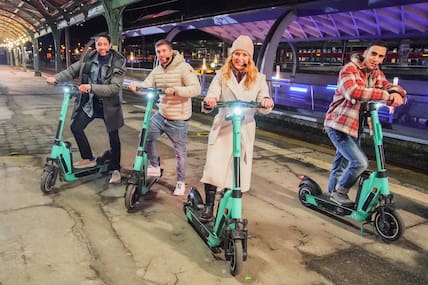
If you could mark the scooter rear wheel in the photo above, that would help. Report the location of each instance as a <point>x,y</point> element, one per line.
<point>236,259</point>
<point>303,191</point>
<point>132,196</point>
<point>391,228</point>
<point>48,180</point>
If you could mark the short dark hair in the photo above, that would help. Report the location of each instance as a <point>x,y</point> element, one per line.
<point>380,43</point>
<point>103,35</point>
<point>163,42</point>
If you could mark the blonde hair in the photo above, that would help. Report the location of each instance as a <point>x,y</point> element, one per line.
<point>251,70</point>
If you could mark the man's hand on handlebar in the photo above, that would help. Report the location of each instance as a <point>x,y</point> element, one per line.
<point>170,91</point>
<point>395,100</point>
<point>85,88</point>
<point>51,80</point>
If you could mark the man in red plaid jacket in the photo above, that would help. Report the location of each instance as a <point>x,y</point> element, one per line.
<point>359,81</point>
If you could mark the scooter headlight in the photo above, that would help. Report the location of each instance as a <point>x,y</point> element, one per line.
<point>66,89</point>
<point>237,110</point>
<point>150,95</point>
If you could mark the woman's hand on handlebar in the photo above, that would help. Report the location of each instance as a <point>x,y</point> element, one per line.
<point>210,102</point>
<point>267,103</point>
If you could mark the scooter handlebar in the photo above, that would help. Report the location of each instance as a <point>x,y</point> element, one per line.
<point>73,88</point>
<point>145,90</point>
<point>236,103</point>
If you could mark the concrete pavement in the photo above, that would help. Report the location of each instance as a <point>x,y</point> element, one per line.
<point>82,233</point>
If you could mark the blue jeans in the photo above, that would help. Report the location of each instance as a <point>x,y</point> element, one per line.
<point>349,162</point>
<point>176,131</point>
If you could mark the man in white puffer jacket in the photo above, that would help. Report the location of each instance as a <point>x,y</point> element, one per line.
<point>180,84</point>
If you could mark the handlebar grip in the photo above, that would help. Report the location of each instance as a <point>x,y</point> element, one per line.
<point>159,90</point>
<point>206,106</point>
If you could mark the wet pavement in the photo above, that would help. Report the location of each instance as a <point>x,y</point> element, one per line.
<point>82,233</point>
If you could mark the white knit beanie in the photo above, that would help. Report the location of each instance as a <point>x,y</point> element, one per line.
<point>243,43</point>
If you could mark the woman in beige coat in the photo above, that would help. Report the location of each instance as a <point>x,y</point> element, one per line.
<point>238,79</point>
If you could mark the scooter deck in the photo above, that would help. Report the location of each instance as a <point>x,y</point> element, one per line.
<point>81,172</point>
<point>204,229</point>
<point>324,202</point>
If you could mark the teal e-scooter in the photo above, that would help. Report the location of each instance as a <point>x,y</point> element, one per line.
<point>139,183</point>
<point>374,201</point>
<point>60,160</point>
<point>228,231</point>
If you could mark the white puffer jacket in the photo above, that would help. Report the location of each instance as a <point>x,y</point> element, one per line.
<point>180,76</point>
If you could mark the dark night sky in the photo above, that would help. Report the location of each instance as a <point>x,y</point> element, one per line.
<point>83,32</point>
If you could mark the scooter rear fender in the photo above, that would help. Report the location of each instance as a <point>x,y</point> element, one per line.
<point>195,197</point>
<point>310,183</point>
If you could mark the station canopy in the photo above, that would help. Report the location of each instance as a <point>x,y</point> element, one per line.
<point>20,20</point>
<point>314,20</point>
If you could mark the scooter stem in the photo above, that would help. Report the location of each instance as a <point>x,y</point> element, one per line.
<point>236,167</point>
<point>63,114</point>
<point>377,137</point>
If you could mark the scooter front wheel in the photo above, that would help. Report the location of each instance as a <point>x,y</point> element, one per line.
<point>132,196</point>
<point>391,228</point>
<point>48,179</point>
<point>236,259</point>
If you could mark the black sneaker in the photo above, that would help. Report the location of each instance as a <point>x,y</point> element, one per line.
<point>341,198</point>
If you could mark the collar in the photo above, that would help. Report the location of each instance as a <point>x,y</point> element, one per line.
<point>357,59</point>
<point>104,60</point>
<point>238,74</point>
<point>169,62</point>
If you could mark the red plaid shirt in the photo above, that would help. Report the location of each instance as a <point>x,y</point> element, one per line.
<point>356,84</point>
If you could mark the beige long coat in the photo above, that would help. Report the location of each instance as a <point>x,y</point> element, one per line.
<point>218,165</point>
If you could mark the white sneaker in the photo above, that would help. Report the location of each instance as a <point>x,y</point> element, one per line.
<point>85,163</point>
<point>180,188</point>
<point>115,177</point>
<point>153,171</point>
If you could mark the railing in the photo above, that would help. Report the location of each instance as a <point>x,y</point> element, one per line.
<point>311,101</point>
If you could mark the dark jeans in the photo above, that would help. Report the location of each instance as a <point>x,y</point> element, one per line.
<point>77,128</point>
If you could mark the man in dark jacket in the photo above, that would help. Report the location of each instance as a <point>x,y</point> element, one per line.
<point>101,75</point>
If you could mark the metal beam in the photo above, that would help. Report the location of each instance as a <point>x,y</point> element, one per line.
<point>8,33</point>
<point>19,17</point>
<point>19,25</point>
<point>122,3</point>
<point>16,32</point>
<point>267,53</point>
